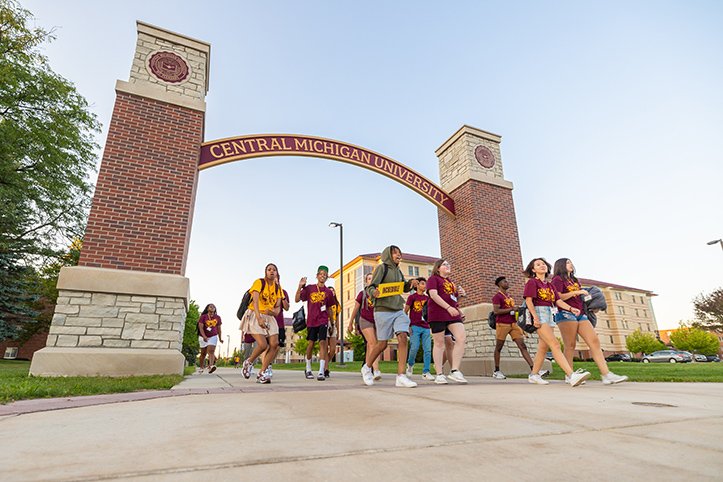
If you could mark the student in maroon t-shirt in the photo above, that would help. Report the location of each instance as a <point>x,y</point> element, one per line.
<point>541,298</point>
<point>362,321</point>
<point>209,334</point>
<point>419,333</point>
<point>320,299</point>
<point>504,307</point>
<point>443,314</point>
<point>571,325</point>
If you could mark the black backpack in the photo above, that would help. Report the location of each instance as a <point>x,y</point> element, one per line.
<point>492,320</point>
<point>246,301</point>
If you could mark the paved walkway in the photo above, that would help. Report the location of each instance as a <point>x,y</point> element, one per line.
<point>222,427</point>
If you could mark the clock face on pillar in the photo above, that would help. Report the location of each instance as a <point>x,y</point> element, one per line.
<point>484,156</point>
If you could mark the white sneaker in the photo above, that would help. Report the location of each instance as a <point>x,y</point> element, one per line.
<point>578,377</point>
<point>269,372</point>
<point>537,379</point>
<point>498,375</point>
<point>377,375</point>
<point>567,377</point>
<point>428,376</point>
<point>543,373</point>
<point>611,378</point>
<point>410,370</point>
<point>367,375</point>
<point>403,381</point>
<point>440,379</point>
<point>456,376</point>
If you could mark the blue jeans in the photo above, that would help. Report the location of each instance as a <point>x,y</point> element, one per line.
<point>417,336</point>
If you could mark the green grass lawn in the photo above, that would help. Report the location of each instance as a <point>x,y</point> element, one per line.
<point>639,372</point>
<point>651,372</point>
<point>16,384</point>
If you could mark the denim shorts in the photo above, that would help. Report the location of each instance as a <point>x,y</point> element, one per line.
<point>563,315</point>
<point>545,315</point>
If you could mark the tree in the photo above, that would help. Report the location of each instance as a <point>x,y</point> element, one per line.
<point>709,310</point>
<point>639,342</point>
<point>357,344</point>
<point>190,347</point>
<point>695,340</point>
<point>301,344</point>
<point>47,151</point>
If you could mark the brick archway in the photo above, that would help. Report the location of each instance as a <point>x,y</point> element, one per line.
<point>122,310</point>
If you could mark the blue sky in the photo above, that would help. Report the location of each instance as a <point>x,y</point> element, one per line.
<point>610,112</point>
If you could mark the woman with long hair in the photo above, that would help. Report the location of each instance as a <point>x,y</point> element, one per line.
<point>209,334</point>
<point>570,324</point>
<point>541,298</point>
<point>364,307</point>
<point>259,321</point>
<point>443,313</point>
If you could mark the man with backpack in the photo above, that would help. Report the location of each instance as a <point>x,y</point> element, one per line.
<point>389,316</point>
<point>419,333</point>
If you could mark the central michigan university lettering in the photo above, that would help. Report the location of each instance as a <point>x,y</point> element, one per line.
<point>222,151</point>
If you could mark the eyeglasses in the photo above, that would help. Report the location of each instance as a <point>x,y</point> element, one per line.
<point>445,264</point>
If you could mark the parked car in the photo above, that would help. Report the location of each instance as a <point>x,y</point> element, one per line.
<point>668,356</point>
<point>700,358</point>
<point>712,358</point>
<point>623,357</point>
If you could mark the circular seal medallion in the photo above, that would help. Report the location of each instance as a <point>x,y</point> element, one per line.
<point>168,66</point>
<point>484,156</point>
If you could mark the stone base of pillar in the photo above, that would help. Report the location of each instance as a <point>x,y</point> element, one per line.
<point>110,322</point>
<point>109,362</point>
<point>509,366</point>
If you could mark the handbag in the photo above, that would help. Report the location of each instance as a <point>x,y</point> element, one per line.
<point>525,321</point>
<point>299,320</point>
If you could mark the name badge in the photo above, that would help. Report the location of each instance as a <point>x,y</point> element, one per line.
<point>454,298</point>
<point>208,328</point>
<point>323,308</point>
<point>554,310</point>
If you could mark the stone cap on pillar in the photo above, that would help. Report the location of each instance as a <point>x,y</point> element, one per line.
<point>169,67</point>
<point>471,153</point>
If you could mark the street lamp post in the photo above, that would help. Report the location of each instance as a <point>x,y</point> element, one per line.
<point>716,241</point>
<point>341,285</point>
<point>228,345</point>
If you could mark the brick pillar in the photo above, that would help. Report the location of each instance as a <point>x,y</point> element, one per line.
<point>481,241</point>
<point>122,310</point>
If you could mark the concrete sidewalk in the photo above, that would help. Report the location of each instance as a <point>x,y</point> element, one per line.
<point>298,429</point>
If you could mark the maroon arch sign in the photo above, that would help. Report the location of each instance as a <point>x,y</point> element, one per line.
<point>231,149</point>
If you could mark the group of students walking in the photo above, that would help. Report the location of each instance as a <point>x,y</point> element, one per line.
<point>430,313</point>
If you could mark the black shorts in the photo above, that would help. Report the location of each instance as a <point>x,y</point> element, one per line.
<point>282,337</point>
<point>441,326</point>
<point>316,333</point>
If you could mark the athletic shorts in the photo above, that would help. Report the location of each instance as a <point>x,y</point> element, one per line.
<point>441,326</point>
<point>316,333</point>
<point>212,341</point>
<point>390,323</point>
<point>504,329</point>
<point>364,324</point>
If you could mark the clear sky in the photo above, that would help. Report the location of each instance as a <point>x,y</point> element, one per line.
<point>611,115</point>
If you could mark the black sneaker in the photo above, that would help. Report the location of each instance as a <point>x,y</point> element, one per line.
<point>321,377</point>
<point>327,374</point>
<point>309,375</point>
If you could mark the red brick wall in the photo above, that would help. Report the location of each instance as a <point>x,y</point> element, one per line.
<point>142,209</point>
<point>482,242</point>
<point>27,349</point>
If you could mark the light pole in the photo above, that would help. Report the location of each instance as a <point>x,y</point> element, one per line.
<point>341,285</point>
<point>716,241</point>
<point>228,345</point>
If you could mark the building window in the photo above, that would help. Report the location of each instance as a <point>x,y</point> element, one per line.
<point>429,272</point>
<point>348,277</point>
<point>11,353</point>
<point>618,296</point>
<point>411,270</point>
<point>608,323</point>
<point>636,312</point>
<point>611,339</point>
<point>621,310</point>
<point>416,271</point>
<point>645,313</point>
